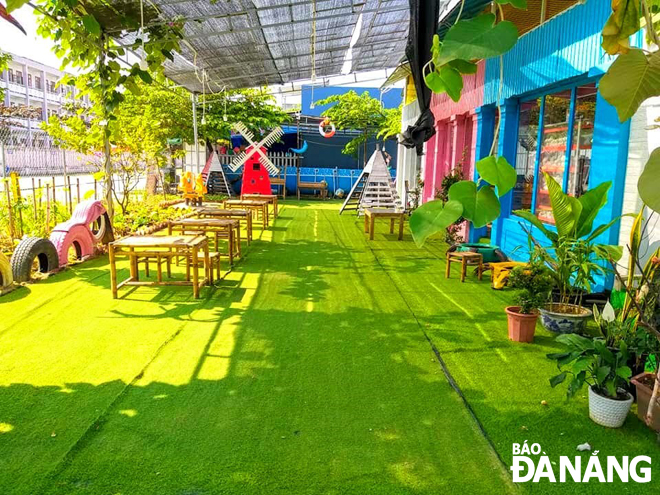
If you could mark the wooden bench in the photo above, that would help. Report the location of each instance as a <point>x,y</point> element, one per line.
<point>219,228</point>
<point>465,258</point>
<point>161,249</point>
<point>259,207</point>
<point>213,212</point>
<point>322,187</point>
<point>271,198</point>
<point>370,215</point>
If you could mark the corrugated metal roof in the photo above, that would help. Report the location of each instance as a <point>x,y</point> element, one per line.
<point>247,43</point>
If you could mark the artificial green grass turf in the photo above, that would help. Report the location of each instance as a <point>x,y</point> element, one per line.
<point>305,371</point>
<point>302,372</point>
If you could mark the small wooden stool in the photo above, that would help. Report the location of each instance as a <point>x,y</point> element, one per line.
<point>465,258</point>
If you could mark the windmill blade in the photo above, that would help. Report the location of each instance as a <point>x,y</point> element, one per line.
<point>238,161</point>
<point>271,138</point>
<point>268,165</point>
<point>244,131</point>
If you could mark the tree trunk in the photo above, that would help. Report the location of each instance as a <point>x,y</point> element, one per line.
<point>153,176</point>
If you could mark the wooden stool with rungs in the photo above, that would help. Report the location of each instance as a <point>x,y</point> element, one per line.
<point>465,258</point>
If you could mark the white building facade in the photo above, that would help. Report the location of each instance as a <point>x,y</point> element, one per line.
<point>34,85</point>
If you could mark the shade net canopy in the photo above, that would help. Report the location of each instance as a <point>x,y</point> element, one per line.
<point>248,43</point>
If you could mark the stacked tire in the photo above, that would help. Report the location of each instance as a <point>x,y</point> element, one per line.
<point>31,253</point>
<point>6,275</point>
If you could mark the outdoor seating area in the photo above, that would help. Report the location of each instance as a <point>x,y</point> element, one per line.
<point>308,351</point>
<point>329,247</point>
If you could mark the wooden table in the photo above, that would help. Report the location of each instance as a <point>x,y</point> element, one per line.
<point>370,215</point>
<point>158,248</point>
<point>271,198</point>
<point>465,258</point>
<point>258,206</point>
<point>213,212</point>
<point>219,228</point>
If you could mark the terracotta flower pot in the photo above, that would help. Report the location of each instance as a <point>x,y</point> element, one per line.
<point>521,326</point>
<point>644,384</point>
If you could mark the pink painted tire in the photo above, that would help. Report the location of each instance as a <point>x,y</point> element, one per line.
<point>79,236</point>
<point>87,212</point>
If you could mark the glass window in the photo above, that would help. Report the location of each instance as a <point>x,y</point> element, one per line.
<point>583,135</point>
<point>553,149</point>
<point>528,128</point>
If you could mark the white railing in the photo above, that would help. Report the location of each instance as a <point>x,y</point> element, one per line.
<point>280,160</point>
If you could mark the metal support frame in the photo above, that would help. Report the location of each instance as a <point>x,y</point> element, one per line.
<point>569,140</point>
<point>193,98</point>
<point>537,159</point>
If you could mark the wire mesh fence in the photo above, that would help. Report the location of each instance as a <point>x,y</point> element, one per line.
<point>32,153</point>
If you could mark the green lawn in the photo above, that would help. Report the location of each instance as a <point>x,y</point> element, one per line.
<point>311,368</point>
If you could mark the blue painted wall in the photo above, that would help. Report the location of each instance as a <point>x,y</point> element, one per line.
<point>567,46</point>
<point>562,53</point>
<point>335,178</point>
<point>390,99</point>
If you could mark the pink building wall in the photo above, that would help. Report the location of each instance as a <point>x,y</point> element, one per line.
<point>456,131</point>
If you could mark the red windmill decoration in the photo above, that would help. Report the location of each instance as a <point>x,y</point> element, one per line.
<point>257,165</point>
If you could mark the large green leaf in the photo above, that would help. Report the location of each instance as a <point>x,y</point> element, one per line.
<point>606,226</point>
<point>565,209</point>
<point>575,341</point>
<point>452,81</point>
<point>91,24</point>
<point>622,23</point>
<point>463,66</point>
<point>498,172</point>
<point>608,251</point>
<point>477,38</point>
<point>480,206</point>
<point>433,217</point>
<point>519,4</point>
<point>592,201</point>
<point>15,4</point>
<point>632,78</point>
<point>649,182</point>
<point>557,379</point>
<point>533,219</point>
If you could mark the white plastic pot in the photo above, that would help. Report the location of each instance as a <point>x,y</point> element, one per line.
<point>608,412</point>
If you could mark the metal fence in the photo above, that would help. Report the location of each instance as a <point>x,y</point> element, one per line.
<point>32,153</point>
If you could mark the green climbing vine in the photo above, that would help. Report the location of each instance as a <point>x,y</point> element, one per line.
<point>84,36</point>
<point>466,42</point>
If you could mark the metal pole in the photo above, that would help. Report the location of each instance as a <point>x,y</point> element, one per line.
<point>195,136</point>
<point>4,160</point>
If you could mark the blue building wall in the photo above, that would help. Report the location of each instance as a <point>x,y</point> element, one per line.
<point>565,47</point>
<point>563,53</point>
<point>390,99</point>
<point>336,178</point>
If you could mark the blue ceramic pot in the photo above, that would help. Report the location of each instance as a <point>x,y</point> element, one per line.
<point>565,318</point>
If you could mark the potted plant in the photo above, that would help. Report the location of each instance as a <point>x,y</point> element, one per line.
<point>644,385</point>
<point>571,254</point>
<point>533,283</point>
<point>603,369</point>
<point>640,311</point>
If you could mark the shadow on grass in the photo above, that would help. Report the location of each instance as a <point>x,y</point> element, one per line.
<point>283,402</point>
